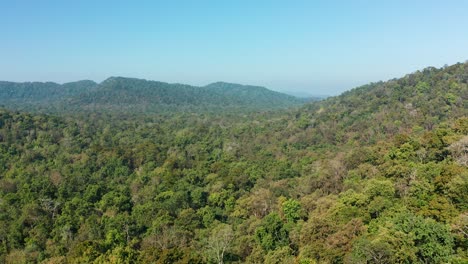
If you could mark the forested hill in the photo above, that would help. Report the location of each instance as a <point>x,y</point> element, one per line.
<point>130,95</point>
<point>417,102</point>
<point>139,95</point>
<point>376,175</point>
<point>12,93</point>
<point>249,94</point>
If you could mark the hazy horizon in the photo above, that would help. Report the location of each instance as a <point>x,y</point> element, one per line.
<point>320,48</point>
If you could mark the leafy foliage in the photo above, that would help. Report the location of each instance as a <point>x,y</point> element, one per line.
<point>376,175</point>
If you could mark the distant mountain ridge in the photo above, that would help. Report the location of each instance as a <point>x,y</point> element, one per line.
<point>42,91</point>
<point>139,95</point>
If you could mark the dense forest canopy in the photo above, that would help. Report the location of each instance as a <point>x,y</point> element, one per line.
<point>378,174</point>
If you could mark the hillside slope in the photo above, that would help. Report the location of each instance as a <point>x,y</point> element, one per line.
<point>416,102</point>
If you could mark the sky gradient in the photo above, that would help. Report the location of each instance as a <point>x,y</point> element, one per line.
<point>318,47</point>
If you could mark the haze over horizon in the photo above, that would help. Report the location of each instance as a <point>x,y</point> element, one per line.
<point>320,48</point>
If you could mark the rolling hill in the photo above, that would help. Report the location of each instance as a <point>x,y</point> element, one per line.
<point>119,94</point>
<point>12,93</point>
<point>416,102</point>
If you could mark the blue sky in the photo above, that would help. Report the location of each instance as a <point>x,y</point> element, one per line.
<point>319,47</point>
